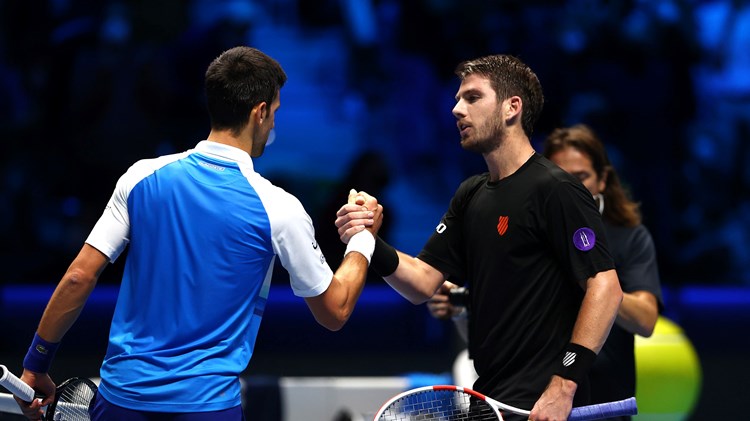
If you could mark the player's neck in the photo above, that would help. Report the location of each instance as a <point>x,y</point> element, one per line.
<point>227,138</point>
<point>508,157</point>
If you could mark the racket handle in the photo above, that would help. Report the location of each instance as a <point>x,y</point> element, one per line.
<point>604,410</point>
<point>15,385</point>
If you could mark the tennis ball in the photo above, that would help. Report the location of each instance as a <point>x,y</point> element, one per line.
<point>668,374</point>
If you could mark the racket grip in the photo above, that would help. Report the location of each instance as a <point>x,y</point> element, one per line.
<point>604,410</point>
<point>15,385</point>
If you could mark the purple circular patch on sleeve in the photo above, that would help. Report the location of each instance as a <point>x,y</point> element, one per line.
<point>584,239</point>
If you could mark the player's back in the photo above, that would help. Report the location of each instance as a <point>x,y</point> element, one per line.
<point>190,300</point>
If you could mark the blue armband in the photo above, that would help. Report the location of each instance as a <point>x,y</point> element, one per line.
<point>39,357</point>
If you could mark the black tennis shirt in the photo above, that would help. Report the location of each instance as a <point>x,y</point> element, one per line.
<point>522,244</point>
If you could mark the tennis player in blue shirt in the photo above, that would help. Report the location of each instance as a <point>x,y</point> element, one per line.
<point>203,229</point>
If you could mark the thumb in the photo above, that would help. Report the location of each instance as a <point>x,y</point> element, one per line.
<point>356,198</point>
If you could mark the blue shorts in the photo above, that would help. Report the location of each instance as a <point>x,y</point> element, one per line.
<point>103,410</point>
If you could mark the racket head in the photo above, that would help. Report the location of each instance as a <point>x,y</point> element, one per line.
<point>439,403</point>
<point>72,400</point>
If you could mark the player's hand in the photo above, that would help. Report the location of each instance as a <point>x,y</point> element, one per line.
<point>556,402</point>
<point>371,203</point>
<point>440,306</point>
<point>42,383</point>
<point>361,212</point>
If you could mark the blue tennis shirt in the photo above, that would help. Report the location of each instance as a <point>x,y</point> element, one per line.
<point>204,229</point>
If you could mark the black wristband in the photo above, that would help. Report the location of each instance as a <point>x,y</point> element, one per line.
<point>576,362</point>
<point>384,259</point>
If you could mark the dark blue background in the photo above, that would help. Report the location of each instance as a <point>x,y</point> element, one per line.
<point>87,87</point>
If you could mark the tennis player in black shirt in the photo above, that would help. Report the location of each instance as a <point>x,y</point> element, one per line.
<point>530,239</point>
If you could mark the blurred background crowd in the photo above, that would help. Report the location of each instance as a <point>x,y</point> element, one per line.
<point>88,87</point>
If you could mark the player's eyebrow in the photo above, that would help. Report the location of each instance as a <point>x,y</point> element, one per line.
<point>471,91</point>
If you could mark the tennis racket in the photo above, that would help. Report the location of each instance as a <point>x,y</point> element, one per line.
<point>452,403</point>
<point>72,397</point>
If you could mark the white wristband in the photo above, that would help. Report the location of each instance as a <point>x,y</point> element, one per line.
<point>363,243</point>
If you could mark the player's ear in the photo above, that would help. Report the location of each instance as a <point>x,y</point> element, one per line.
<point>258,113</point>
<point>512,106</point>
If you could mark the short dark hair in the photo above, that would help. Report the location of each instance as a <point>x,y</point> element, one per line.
<point>238,80</point>
<point>509,76</point>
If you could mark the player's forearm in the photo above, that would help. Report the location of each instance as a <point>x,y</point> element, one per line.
<point>414,279</point>
<point>638,313</point>
<point>348,283</point>
<point>65,305</point>
<point>71,294</point>
<point>333,307</point>
<point>598,311</point>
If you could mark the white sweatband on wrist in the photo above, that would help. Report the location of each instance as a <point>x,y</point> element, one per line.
<point>363,243</point>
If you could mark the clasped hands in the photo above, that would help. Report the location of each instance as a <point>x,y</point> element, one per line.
<point>361,212</point>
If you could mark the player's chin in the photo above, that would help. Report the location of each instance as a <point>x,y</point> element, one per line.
<point>470,145</point>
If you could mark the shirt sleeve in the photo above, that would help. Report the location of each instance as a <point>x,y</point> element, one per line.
<point>444,249</point>
<point>111,234</point>
<point>576,232</point>
<point>299,253</point>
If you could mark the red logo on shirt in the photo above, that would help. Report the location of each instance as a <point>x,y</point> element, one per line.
<point>502,225</point>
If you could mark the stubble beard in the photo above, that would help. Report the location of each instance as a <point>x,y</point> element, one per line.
<point>486,138</point>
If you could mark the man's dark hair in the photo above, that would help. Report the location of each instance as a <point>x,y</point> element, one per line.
<point>509,76</point>
<point>238,80</point>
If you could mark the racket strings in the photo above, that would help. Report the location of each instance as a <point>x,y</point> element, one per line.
<point>439,405</point>
<point>74,400</point>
